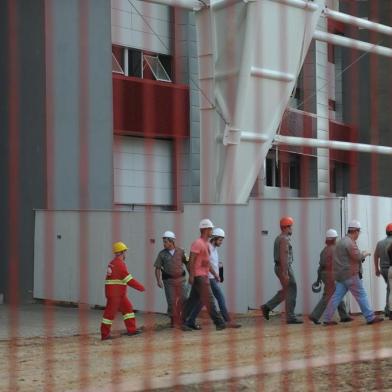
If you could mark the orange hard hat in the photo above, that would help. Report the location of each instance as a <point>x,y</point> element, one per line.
<point>286,221</point>
<point>388,229</point>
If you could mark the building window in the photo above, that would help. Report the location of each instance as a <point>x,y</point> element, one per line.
<point>135,63</point>
<point>116,68</point>
<point>139,64</point>
<point>156,67</point>
<point>332,105</point>
<point>282,174</point>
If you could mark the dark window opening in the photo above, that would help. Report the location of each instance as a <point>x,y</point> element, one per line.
<point>135,63</point>
<point>282,174</point>
<point>332,105</point>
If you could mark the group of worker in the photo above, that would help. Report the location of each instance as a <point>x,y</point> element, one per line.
<point>205,272</point>
<point>340,270</point>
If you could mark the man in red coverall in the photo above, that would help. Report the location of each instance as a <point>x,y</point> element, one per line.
<point>117,279</point>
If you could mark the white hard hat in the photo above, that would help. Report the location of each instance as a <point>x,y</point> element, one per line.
<point>354,224</point>
<point>169,234</point>
<point>331,233</point>
<point>205,224</point>
<point>218,232</point>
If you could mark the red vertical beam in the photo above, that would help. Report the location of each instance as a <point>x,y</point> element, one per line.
<point>84,194</point>
<point>375,139</point>
<point>14,187</point>
<point>329,214</point>
<point>177,158</point>
<point>149,124</point>
<point>231,242</point>
<point>284,341</point>
<point>48,274</point>
<point>355,93</point>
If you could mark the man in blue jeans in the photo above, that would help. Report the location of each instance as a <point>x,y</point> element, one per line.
<point>347,262</point>
<point>217,238</point>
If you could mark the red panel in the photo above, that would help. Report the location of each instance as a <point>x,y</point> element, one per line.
<point>150,108</point>
<point>343,133</point>
<point>299,124</point>
<point>335,27</point>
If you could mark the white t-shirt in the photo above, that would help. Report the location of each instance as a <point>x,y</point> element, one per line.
<point>214,260</point>
<point>172,251</point>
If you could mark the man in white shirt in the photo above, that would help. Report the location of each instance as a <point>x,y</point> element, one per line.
<point>217,238</point>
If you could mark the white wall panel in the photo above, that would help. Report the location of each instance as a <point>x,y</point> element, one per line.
<point>246,252</point>
<point>374,213</point>
<point>141,25</point>
<point>143,171</point>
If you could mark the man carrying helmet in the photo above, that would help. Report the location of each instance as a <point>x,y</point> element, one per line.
<point>117,280</point>
<point>325,275</point>
<point>283,257</point>
<point>199,268</point>
<point>170,274</point>
<point>216,241</point>
<point>347,261</point>
<point>381,261</point>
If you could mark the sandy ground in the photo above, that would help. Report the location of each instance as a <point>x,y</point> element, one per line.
<point>75,363</point>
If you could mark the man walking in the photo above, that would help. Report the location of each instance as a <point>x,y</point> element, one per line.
<point>170,274</point>
<point>381,262</point>
<point>347,260</point>
<point>216,241</point>
<point>283,257</point>
<point>199,267</point>
<point>117,280</point>
<point>326,276</point>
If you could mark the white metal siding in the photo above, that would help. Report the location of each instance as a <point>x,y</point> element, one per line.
<point>136,24</point>
<point>374,213</point>
<point>143,171</point>
<point>249,267</point>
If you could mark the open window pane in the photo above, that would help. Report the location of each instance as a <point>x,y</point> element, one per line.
<point>116,67</point>
<point>157,68</point>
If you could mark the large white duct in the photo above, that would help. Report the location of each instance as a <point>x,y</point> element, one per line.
<point>250,54</point>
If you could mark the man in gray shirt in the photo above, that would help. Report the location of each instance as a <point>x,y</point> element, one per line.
<point>170,274</point>
<point>283,257</point>
<point>347,261</point>
<point>381,261</point>
<point>325,275</point>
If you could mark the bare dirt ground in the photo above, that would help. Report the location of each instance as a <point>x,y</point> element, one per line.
<point>135,363</point>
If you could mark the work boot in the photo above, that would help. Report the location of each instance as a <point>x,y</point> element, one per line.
<point>330,323</point>
<point>265,310</point>
<point>232,324</point>
<point>185,328</point>
<point>314,320</point>
<point>196,327</point>
<point>294,321</point>
<point>375,320</point>
<point>220,327</point>
<point>109,337</point>
<point>346,320</point>
<point>136,332</point>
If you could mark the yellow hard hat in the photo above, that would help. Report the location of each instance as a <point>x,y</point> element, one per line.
<point>119,247</point>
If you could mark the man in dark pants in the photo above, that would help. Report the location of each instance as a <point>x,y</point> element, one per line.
<point>170,274</point>
<point>199,267</point>
<point>325,275</point>
<point>216,240</point>
<point>381,261</point>
<point>283,256</point>
<point>347,261</point>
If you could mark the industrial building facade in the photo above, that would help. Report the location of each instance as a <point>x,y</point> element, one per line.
<point>101,111</point>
